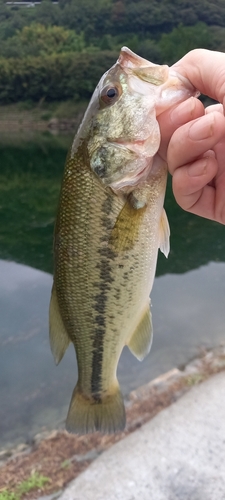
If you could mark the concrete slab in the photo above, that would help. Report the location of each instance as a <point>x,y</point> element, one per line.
<point>178,455</point>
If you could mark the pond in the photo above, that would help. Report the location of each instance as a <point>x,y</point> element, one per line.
<point>187,298</point>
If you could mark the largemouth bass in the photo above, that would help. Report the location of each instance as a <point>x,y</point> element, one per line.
<point>109,227</point>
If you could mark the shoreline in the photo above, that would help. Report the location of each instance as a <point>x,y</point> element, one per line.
<point>53,125</point>
<point>60,117</point>
<point>61,457</point>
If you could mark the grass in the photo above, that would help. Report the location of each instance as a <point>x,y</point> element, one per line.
<point>35,481</point>
<point>66,464</point>
<point>194,379</point>
<point>6,495</point>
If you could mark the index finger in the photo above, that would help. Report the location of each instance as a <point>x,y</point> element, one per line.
<point>193,139</point>
<point>206,71</point>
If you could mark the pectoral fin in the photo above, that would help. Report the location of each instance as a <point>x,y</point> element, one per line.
<point>59,339</point>
<point>125,232</point>
<point>141,340</point>
<point>164,234</point>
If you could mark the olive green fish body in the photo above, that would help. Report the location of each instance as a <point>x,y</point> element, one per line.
<point>102,282</point>
<point>109,227</point>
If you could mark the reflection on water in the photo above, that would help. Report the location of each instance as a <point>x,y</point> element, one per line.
<point>188,314</point>
<point>187,298</point>
<point>30,177</point>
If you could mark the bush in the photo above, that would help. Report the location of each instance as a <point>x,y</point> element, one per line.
<point>54,78</point>
<point>183,39</point>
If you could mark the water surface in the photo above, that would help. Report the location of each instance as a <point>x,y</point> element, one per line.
<point>187,298</point>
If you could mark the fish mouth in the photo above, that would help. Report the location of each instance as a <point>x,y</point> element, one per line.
<point>128,59</point>
<point>143,69</point>
<point>184,81</point>
<point>156,74</point>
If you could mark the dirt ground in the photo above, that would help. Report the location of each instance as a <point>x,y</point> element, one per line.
<point>61,456</point>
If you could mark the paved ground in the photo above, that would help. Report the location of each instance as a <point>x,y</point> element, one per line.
<point>178,455</point>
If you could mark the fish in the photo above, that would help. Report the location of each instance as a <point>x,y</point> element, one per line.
<point>109,227</point>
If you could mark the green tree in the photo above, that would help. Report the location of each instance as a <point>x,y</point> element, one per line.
<point>183,39</point>
<point>46,13</point>
<point>218,38</point>
<point>39,40</point>
<point>55,77</point>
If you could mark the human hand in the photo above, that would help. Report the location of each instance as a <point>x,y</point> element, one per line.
<point>196,150</point>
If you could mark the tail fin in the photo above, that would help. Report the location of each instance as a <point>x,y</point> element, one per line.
<point>86,415</point>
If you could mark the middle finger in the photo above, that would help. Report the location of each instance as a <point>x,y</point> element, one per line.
<point>193,139</point>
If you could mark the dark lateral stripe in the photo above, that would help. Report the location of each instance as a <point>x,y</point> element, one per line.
<point>106,255</point>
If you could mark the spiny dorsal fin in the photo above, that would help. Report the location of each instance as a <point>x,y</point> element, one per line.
<point>141,340</point>
<point>59,339</point>
<point>164,234</point>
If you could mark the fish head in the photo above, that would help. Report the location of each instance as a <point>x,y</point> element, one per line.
<point>124,133</point>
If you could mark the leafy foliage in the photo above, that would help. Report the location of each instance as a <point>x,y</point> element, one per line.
<point>113,16</point>
<point>58,52</point>
<point>56,77</point>
<point>183,39</point>
<point>39,40</point>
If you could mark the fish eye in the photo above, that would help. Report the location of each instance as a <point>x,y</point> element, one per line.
<point>110,94</point>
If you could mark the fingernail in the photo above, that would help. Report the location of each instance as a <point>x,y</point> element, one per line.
<point>202,128</point>
<point>198,168</point>
<point>178,115</point>
<point>210,154</point>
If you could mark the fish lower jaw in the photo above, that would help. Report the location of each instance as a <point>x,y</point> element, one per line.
<point>184,81</point>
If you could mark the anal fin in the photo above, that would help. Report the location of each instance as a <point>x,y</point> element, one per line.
<point>141,340</point>
<point>59,339</point>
